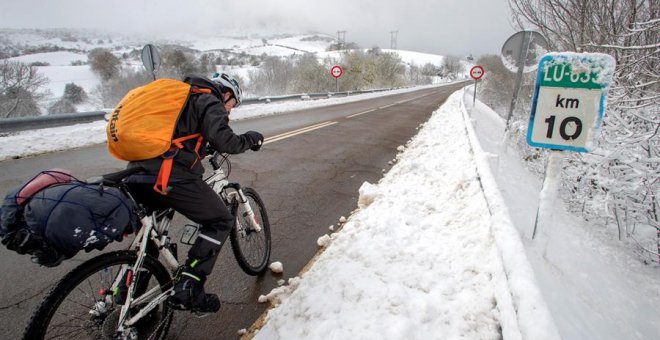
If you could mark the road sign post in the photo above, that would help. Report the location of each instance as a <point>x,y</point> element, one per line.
<point>567,111</point>
<point>476,72</point>
<point>336,72</point>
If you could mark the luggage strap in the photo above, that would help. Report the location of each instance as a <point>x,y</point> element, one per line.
<point>168,160</point>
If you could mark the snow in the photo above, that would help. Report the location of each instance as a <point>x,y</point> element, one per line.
<point>61,58</point>
<point>60,71</point>
<point>431,265</point>
<point>441,247</point>
<point>594,286</point>
<point>276,267</point>
<point>33,142</point>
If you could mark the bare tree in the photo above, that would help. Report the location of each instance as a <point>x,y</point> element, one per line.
<point>451,67</point>
<point>177,64</point>
<point>21,89</point>
<point>273,78</point>
<point>109,93</point>
<point>104,63</point>
<point>311,76</point>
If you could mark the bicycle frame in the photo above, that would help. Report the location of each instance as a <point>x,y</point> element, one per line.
<point>156,226</point>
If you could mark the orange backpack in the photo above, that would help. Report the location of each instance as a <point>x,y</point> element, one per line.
<point>142,125</point>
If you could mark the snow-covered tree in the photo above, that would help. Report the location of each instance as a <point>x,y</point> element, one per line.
<point>621,179</point>
<point>21,89</point>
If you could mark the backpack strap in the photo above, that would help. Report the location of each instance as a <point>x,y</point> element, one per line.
<point>165,171</point>
<point>168,160</point>
<point>196,89</point>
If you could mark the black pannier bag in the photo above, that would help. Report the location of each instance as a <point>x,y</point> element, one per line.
<point>61,215</point>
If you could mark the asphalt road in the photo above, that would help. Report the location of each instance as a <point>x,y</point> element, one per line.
<point>308,180</point>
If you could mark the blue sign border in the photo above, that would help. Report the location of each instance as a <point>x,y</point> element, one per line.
<point>537,86</point>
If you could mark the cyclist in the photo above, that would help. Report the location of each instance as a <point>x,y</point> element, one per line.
<point>189,195</point>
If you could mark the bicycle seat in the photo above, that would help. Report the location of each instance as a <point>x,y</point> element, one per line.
<point>116,178</point>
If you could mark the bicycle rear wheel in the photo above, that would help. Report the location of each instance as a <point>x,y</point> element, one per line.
<point>82,306</point>
<point>251,247</point>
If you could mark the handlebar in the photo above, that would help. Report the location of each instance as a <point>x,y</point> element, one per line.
<point>218,159</point>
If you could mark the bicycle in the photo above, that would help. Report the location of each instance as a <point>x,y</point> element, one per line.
<point>129,300</point>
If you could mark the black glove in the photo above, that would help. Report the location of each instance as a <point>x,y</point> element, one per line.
<point>256,139</point>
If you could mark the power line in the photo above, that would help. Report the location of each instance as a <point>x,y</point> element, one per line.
<point>393,38</point>
<point>341,40</point>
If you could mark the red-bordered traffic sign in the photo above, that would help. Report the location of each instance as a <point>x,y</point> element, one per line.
<point>477,72</point>
<point>336,71</point>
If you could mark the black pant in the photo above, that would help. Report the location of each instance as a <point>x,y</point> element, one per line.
<point>197,201</point>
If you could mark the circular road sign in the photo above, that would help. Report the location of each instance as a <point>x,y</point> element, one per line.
<point>151,58</point>
<point>336,71</point>
<point>477,72</point>
<point>528,45</point>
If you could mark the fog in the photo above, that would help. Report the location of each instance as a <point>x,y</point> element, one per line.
<point>456,27</point>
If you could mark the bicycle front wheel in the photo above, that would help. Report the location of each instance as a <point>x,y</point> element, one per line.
<point>86,303</point>
<point>251,247</point>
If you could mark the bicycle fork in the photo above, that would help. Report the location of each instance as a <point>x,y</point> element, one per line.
<point>242,199</point>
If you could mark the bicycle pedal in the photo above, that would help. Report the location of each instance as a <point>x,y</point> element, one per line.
<point>177,306</point>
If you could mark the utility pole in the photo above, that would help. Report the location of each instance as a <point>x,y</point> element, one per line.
<point>341,39</point>
<point>393,36</point>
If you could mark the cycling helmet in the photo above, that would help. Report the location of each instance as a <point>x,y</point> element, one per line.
<point>228,83</point>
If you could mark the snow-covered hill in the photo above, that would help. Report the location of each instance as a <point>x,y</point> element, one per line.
<point>61,55</point>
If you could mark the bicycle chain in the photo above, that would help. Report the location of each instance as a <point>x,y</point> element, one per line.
<point>162,323</point>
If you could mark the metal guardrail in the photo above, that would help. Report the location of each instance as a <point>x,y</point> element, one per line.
<point>27,123</point>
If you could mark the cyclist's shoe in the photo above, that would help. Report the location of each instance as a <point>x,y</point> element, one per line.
<point>188,294</point>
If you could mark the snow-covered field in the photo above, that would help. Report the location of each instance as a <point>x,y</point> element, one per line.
<point>60,71</point>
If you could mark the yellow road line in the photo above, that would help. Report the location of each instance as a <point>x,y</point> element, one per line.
<point>361,113</point>
<point>298,132</point>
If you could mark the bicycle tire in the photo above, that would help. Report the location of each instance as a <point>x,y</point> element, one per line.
<point>79,281</point>
<point>251,248</point>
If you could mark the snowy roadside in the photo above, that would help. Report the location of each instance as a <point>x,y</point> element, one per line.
<point>595,287</point>
<point>34,142</point>
<point>420,259</point>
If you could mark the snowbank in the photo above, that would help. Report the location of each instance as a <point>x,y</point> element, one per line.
<point>420,259</point>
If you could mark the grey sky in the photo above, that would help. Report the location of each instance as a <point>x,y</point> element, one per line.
<point>455,27</point>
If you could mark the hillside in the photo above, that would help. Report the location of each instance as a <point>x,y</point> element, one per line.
<point>61,55</point>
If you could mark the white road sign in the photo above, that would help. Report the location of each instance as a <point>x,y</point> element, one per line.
<point>569,99</point>
<point>336,71</point>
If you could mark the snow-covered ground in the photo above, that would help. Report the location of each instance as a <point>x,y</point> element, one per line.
<point>421,259</point>
<point>595,287</point>
<point>434,253</point>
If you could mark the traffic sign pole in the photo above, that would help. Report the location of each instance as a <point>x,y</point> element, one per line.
<point>336,72</point>
<point>522,56</point>
<point>567,110</point>
<point>549,191</point>
<point>476,72</point>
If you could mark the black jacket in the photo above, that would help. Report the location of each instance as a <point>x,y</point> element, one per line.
<point>203,113</point>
